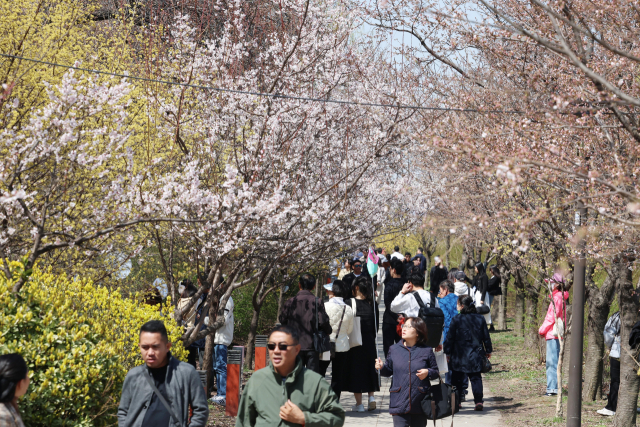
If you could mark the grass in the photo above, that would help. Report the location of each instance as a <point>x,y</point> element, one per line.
<point>518,383</point>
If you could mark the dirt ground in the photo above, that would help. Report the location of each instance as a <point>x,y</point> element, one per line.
<point>518,383</point>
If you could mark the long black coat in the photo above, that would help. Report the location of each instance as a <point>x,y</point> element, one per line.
<point>468,342</point>
<point>481,282</point>
<point>391,290</point>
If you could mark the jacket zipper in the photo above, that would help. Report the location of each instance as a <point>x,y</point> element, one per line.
<point>409,380</point>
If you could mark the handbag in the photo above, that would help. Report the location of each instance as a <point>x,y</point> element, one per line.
<point>164,402</point>
<point>333,344</point>
<point>486,365</point>
<point>321,341</point>
<point>443,400</point>
<point>355,337</point>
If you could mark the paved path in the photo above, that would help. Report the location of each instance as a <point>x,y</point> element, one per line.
<point>381,417</point>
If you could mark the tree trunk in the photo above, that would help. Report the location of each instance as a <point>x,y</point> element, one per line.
<point>208,347</point>
<point>252,338</point>
<point>280,302</point>
<point>519,321</point>
<point>629,380</point>
<point>559,408</point>
<point>446,254</point>
<point>502,303</point>
<point>531,319</point>
<point>599,301</point>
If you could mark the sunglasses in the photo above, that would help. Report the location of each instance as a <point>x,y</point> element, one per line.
<point>357,266</point>
<point>282,346</point>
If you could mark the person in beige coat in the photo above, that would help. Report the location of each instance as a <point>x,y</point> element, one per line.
<point>341,319</point>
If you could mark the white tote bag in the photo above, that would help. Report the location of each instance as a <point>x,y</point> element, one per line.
<point>355,337</point>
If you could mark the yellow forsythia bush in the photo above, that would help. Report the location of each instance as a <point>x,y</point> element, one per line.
<point>79,341</point>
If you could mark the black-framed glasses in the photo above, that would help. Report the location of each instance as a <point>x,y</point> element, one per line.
<point>281,345</point>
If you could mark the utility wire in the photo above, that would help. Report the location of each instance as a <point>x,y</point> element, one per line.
<point>271,95</point>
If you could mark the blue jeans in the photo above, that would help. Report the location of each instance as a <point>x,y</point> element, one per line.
<point>553,352</point>
<point>220,368</point>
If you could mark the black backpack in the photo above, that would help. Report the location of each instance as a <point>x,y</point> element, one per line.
<point>433,317</point>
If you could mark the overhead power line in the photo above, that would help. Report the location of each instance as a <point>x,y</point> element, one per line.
<point>262,94</point>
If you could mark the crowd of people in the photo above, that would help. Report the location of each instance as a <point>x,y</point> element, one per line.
<point>167,392</point>
<point>351,319</point>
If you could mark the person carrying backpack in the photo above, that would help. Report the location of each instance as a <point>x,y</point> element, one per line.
<point>407,303</point>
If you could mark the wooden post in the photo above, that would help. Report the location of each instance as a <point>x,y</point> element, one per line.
<point>260,359</point>
<point>234,380</point>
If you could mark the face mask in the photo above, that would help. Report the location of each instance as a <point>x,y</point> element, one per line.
<point>181,289</point>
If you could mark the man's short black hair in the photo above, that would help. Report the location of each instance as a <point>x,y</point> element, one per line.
<point>307,281</point>
<point>286,330</point>
<point>397,265</point>
<point>379,250</point>
<point>416,279</point>
<point>407,254</point>
<point>155,327</point>
<point>396,248</point>
<point>420,249</point>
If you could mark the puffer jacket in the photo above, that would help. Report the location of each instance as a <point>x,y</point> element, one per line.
<point>449,306</point>
<point>546,329</point>
<point>334,310</point>
<point>468,342</point>
<point>461,288</point>
<point>407,390</point>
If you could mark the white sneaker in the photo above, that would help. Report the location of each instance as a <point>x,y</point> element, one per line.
<point>372,404</point>
<point>606,412</point>
<point>218,400</point>
<point>357,408</point>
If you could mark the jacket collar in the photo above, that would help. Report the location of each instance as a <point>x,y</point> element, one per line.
<point>292,377</point>
<point>304,292</point>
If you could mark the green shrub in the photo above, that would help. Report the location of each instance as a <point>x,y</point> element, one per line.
<point>79,342</point>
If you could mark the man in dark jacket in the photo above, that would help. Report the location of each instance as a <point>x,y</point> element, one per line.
<point>299,312</point>
<point>358,271</point>
<point>392,288</point>
<point>437,275</point>
<point>178,382</point>
<point>422,260</point>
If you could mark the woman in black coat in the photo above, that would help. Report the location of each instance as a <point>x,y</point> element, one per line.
<point>468,342</point>
<point>481,283</point>
<point>412,365</point>
<point>493,289</point>
<point>361,376</point>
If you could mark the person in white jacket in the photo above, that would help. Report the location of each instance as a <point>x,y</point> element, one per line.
<point>222,340</point>
<point>341,320</point>
<point>406,303</point>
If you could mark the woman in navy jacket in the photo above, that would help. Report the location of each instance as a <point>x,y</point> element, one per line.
<point>467,343</point>
<point>412,365</point>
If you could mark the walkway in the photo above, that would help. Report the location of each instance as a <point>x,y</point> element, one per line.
<point>381,417</point>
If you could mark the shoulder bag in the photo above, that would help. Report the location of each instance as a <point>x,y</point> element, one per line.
<point>164,402</point>
<point>443,400</point>
<point>321,341</point>
<point>355,337</point>
<point>333,343</point>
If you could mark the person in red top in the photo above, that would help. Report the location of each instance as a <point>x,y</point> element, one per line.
<point>556,310</point>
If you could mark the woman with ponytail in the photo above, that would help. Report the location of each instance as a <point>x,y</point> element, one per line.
<point>14,382</point>
<point>468,342</point>
<point>361,376</point>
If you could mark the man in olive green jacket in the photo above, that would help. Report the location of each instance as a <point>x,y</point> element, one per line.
<point>286,393</point>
